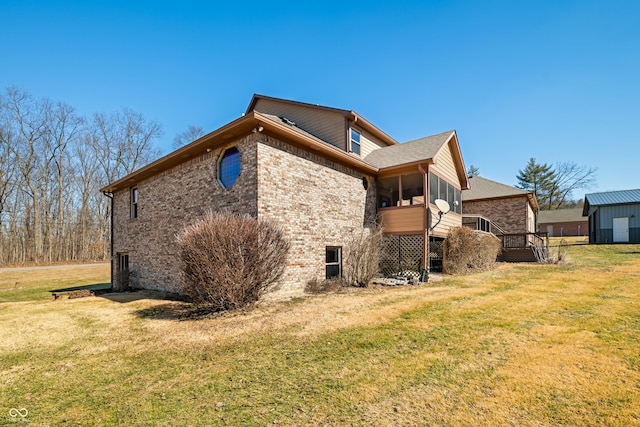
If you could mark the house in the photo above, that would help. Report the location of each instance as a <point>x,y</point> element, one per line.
<point>321,173</point>
<point>563,222</point>
<point>613,216</point>
<point>510,210</point>
<point>507,212</point>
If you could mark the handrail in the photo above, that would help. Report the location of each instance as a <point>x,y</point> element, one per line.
<point>478,218</point>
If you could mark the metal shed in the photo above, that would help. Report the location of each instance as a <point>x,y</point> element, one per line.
<point>614,216</point>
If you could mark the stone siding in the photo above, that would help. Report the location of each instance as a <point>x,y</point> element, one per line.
<point>510,214</point>
<point>169,201</point>
<point>318,203</point>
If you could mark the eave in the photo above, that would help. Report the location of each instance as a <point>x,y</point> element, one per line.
<point>232,131</point>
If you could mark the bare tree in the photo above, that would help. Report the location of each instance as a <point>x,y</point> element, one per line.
<point>569,177</point>
<point>124,140</point>
<point>191,134</point>
<point>52,163</point>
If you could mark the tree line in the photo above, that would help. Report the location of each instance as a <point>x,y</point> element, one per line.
<point>53,161</point>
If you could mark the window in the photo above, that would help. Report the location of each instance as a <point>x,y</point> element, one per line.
<point>229,167</point>
<point>441,189</point>
<point>451,196</point>
<point>433,187</point>
<point>388,192</point>
<point>412,189</point>
<point>355,141</point>
<point>134,203</point>
<point>442,193</point>
<point>333,262</point>
<point>123,262</point>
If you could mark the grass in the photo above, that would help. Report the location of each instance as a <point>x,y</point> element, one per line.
<point>520,345</point>
<point>36,284</point>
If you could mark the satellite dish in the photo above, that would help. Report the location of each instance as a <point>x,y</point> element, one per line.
<point>443,206</point>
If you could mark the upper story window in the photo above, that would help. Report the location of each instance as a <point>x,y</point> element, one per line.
<point>355,141</point>
<point>134,202</point>
<point>229,167</point>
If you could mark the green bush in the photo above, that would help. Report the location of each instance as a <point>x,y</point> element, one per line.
<point>229,261</point>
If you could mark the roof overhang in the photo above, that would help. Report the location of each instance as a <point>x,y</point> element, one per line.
<point>404,168</point>
<point>356,119</point>
<point>232,131</point>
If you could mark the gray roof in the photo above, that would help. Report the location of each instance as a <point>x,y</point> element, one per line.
<point>561,215</point>
<point>613,198</point>
<point>408,152</point>
<point>482,188</point>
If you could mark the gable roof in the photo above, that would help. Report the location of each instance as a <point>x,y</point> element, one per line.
<point>408,152</point>
<point>349,115</point>
<point>561,215</point>
<point>609,198</point>
<point>421,150</point>
<point>483,188</point>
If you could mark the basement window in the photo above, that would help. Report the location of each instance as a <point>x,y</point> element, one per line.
<point>229,167</point>
<point>333,262</point>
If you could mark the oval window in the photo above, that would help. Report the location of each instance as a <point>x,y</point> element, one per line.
<point>229,167</point>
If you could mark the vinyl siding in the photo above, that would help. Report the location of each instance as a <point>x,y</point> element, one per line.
<point>531,219</point>
<point>445,167</point>
<point>403,220</point>
<point>326,125</point>
<point>449,221</point>
<point>368,143</point>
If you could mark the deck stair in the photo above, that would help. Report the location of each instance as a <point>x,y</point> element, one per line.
<point>516,247</point>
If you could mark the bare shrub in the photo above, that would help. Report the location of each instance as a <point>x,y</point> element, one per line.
<point>466,250</point>
<point>317,286</point>
<point>363,257</point>
<point>229,261</point>
<point>558,253</point>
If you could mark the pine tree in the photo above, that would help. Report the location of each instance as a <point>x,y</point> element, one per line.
<point>473,171</point>
<point>539,179</point>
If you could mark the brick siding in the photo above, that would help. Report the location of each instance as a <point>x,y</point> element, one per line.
<point>317,202</point>
<point>509,213</point>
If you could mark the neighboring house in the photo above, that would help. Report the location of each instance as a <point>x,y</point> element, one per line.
<point>320,173</point>
<point>507,212</point>
<point>509,209</point>
<point>614,216</point>
<point>563,222</point>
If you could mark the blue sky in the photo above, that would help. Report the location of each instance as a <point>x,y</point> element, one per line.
<point>554,80</point>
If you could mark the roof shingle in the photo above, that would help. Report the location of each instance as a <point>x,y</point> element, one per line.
<point>408,152</point>
<point>482,188</point>
<point>561,215</point>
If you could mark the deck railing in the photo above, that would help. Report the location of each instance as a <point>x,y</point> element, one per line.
<point>524,240</point>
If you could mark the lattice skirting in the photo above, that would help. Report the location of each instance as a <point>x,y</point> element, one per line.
<point>402,255</point>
